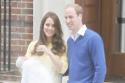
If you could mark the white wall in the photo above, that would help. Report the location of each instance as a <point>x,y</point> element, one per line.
<point>123,38</point>
<point>123,29</point>
<point>42,6</point>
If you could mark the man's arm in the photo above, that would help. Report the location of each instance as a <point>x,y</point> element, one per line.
<point>98,59</point>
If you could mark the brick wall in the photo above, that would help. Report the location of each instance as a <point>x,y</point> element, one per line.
<point>22,26</point>
<point>21,32</point>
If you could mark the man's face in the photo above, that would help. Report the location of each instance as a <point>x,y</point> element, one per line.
<point>71,18</point>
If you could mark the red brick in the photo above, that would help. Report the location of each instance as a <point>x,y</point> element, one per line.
<point>21,5</point>
<point>27,0</point>
<point>15,36</point>
<point>13,17</point>
<point>29,29</point>
<point>21,17</point>
<point>16,11</point>
<point>29,18</point>
<point>29,5</point>
<point>21,30</point>
<point>14,4</point>
<point>27,36</point>
<point>27,11</point>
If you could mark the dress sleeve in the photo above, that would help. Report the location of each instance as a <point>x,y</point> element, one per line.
<point>30,49</point>
<point>20,60</point>
<point>64,62</point>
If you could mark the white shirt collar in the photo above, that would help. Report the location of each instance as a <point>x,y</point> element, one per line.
<point>80,32</point>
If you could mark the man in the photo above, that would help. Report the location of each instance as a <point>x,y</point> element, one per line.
<point>85,49</point>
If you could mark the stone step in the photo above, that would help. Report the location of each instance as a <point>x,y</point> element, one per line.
<point>12,66</point>
<point>12,72</point>
<point>10,76</point>
<point>4,81</point>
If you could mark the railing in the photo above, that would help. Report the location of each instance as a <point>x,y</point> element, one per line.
<point>5,35</point>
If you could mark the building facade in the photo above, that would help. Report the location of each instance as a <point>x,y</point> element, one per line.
<point>107,17</point>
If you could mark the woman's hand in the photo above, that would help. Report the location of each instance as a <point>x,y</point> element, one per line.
<point>42,49</point>
<point>55,59</point>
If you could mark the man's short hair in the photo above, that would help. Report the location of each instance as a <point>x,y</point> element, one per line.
<point>77,7</point>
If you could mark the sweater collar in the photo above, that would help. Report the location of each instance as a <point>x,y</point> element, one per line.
<point>81,32</point>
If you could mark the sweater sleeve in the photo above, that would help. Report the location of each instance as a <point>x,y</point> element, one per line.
<point>98,59</point>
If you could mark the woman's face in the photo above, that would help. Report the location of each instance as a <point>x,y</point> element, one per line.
<point>49,28</point>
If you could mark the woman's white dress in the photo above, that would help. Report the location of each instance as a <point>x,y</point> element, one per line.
<point>40,69</point>
<point>33,71</point>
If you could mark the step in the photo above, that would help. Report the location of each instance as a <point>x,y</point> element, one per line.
<point>10,75</point>
<point>3,81</point>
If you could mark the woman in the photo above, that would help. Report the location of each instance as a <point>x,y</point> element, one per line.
<point>47,60</point>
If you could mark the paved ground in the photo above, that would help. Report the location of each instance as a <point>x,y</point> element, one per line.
<point>8,82</point>
<point>113,80</point>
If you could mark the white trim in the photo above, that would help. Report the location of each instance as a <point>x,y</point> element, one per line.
<point>123,28</point>
<point>123,38</point>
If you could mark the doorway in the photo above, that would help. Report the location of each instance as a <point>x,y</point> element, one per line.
<point>102,16</point>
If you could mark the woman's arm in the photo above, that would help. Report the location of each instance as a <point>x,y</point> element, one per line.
<point>30,49</point>
<point>60,62</point>
<point>20,60</point>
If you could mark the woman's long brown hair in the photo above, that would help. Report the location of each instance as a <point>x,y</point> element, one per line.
<point>58,46</point>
